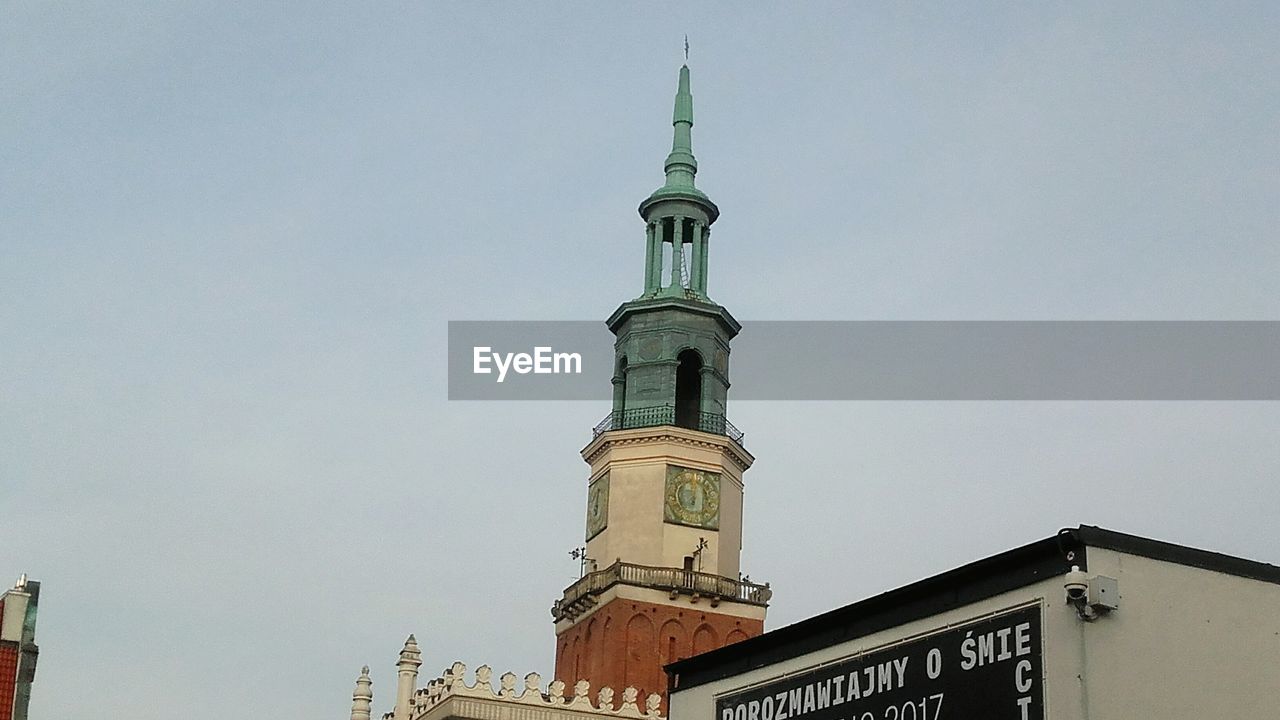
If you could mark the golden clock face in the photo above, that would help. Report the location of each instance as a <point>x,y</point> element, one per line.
<point>692,498</point>
<point>597,506</point>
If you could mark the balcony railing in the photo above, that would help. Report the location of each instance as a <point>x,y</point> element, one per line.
<point>666,415</point>
<point>582,595</point>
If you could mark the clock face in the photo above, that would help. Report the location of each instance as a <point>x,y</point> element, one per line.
<point>597,505</point>
<point>692,498</point>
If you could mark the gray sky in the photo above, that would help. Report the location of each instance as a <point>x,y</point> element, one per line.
<point>230,240</point>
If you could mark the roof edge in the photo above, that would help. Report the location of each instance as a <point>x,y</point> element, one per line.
<point>1104,539</point>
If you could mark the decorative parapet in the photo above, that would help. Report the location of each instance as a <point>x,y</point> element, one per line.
<point>452,685</point>
<point>581,596</point>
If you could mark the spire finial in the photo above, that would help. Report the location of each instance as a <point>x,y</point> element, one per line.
<point>686,48</point>
<point>411,654</point>
<point>681,165</point>
<point>362,698</point>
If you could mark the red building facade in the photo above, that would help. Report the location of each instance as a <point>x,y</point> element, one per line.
<point>18,649</point>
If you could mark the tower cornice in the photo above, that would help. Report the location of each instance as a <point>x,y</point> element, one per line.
<point>644,305</point>
<point>685,194</point>
<point>605,441</point>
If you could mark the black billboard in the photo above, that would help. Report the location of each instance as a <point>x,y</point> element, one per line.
<point>990,668</point>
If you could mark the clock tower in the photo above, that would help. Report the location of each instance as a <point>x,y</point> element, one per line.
<point>664,494</point>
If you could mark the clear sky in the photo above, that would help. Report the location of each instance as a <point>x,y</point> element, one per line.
<point>231,237</point>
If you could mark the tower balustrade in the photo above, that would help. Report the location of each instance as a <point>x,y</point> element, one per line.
<point>714,423</point>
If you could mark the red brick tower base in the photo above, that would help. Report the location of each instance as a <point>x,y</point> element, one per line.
<point>625,643</point>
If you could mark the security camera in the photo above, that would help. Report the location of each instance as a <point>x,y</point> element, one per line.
<point>1076,584</point>
<point>1090,596</point>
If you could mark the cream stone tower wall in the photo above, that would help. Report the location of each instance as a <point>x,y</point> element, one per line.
<point>636,462</point>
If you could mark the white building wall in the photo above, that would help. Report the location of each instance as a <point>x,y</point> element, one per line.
<point>1186,643</point>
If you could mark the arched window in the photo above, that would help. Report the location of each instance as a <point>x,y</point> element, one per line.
<point>688,389</point>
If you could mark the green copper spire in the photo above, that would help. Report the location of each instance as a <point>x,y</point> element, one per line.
<point>672,363</point>
<point>678,216</point>
<point>681,165</point>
